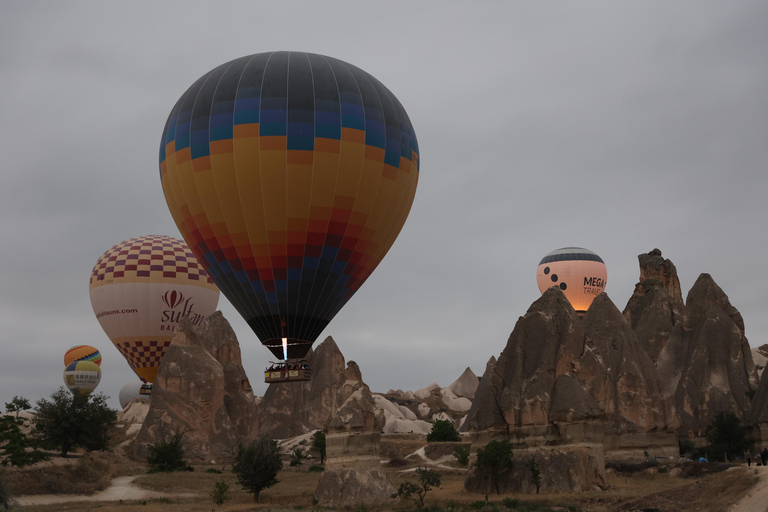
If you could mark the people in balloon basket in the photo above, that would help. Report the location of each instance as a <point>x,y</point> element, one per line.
<point>283,367</point>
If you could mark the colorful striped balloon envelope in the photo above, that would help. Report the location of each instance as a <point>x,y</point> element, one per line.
<point>289,176</point>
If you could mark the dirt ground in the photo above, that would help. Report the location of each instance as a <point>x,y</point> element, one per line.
<point>737,489</point>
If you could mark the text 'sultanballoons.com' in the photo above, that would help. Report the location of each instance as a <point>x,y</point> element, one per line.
<point>140,289</point>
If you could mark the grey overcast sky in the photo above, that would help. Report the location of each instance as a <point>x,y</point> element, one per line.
<point>616,126</point>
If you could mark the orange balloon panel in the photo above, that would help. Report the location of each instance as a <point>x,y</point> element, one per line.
<point>140,289</point>
<point>82,353</point>
<point>578,272</point>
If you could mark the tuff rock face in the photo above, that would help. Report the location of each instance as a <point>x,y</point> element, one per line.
<point>558,368</point>
<point>201,389</point>
<point>707,362</point>
<point>656,305</point>
<point>335,394</point>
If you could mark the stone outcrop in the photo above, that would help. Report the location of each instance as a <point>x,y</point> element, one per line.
<point>295,408</point>
<point>656,305</point>
<point>466,385</point>
<point>353,473</point>
<point>573,384</point>
<point>572,468</point>
<point>201,389</point>
<point>707,363</point>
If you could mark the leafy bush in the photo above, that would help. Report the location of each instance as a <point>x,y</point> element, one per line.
<point>533,467</point>
<point>297,458</point>
<point>397,462</point>
<point>631,467</point>
<point>167,455</point>
<point>220,492</point>
<point>18,449</point>
<point>686,447</point>
<point>462,454</point>
<point>725,436</point>
<point>443,431</point>
<point>428,478</point>
<point>316,468</point>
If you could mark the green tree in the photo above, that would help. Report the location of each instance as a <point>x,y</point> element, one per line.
<point>167,455</point>
<point>493,461</point>
<point>443,431</point>
<point>428,478</point>
<point>17,405</point>
<point>318,444</point>
<point>725,434</point>
<point>257,465</point>
<point>71,421</point>
<point>16,447</point>
<point>533,467</point>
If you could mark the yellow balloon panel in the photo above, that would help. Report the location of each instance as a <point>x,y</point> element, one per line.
<point>289,175</point>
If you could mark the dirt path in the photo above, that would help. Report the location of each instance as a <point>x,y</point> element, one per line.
<point>122,488</point>
<point>756,499</point>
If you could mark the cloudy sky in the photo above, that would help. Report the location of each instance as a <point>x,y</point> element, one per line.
<point>616,126</point>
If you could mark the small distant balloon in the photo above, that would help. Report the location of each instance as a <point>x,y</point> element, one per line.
<point>129,393</point>
<point>578,272</point>
<point>82,353</point>
<point>82,376</point>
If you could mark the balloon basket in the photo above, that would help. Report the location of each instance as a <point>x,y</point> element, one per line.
<point>290,370</point>
<point>146,390</point>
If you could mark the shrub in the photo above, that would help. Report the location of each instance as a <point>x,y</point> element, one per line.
<point>533,467</point>
<point>443,431</point>
<point>428,478</point>
<point>257,465</point>
<point>297,458</point>
<point>18,449</point>
<point>220,492</point>
<point>167,455</point>
<point>316,468</point>
<point>397,462</point>
<point>686,447</point>
<point>462,454</point>
<point>725,435</point>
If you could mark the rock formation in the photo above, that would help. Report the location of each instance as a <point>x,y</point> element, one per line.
<point>294,408</point>
<point>201,389</point>
<point>656,305</point>
<point>563,381</point>
<point>353,473</point>
<point>707,363</point>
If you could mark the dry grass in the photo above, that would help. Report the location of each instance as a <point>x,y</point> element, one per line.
<point>627,492</point>
<point>84,474</point>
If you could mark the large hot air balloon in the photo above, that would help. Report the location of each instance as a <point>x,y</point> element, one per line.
<point>82,353</point>
<point>140,289</point>
<point>82,377</point>
<point>289,175</point>
<point>579,273</point>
